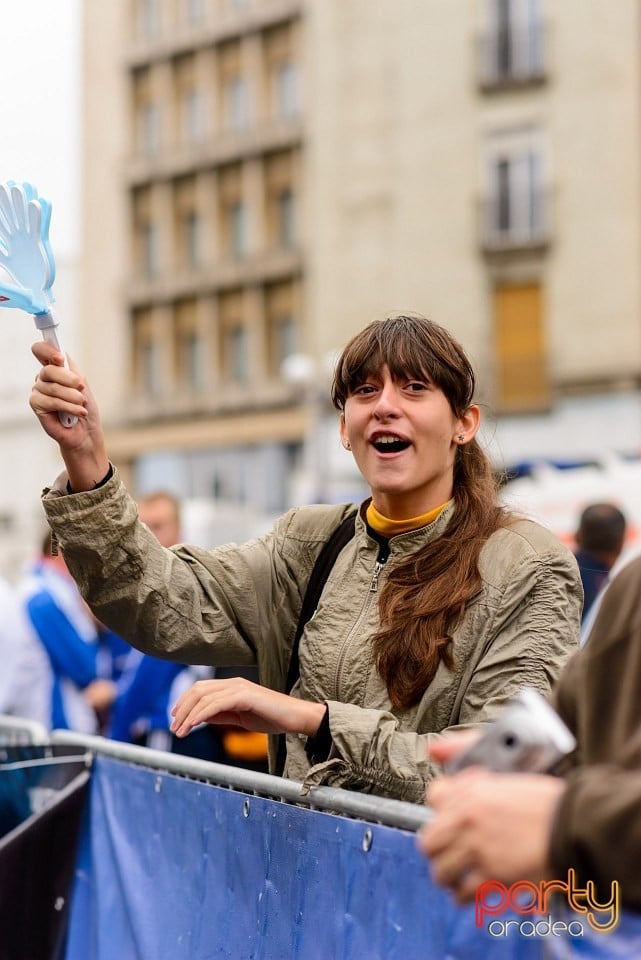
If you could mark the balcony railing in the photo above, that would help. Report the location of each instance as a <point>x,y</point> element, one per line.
<point>514,57</point>
<point>526,227</point>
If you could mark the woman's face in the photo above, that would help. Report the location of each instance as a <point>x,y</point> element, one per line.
<point>403,435</point>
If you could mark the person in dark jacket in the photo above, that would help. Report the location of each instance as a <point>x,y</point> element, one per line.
<point>599,539</point>
<point>513,827</point>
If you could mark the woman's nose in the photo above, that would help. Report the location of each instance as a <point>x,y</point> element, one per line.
<point>387,404</point>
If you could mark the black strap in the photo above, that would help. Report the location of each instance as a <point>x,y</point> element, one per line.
<point>326,559</point>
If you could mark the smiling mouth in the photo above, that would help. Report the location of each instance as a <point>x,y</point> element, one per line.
<point>390,444</point>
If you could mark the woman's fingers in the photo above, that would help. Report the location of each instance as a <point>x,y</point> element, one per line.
<point>245,704</point>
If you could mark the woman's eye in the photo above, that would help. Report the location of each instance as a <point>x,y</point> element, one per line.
<point>364,389</point>
<point>416,386</point>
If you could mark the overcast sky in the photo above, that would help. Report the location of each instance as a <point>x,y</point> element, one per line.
<point>40,107</point>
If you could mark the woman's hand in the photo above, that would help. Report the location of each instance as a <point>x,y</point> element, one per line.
<point>58,389</point>
<point>489,826</point>
<point>241,703</point>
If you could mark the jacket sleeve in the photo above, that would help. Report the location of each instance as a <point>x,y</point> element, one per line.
<point>597,830</point>
<point>370,752</point>
<point>235,605</point>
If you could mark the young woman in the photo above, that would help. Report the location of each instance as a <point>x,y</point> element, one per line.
<point>439,609</point>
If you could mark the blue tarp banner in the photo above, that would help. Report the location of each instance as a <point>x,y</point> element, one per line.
<point>177,869</point>
<point>42,798</point>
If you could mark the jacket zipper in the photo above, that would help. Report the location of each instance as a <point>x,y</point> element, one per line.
<point>373,588</point>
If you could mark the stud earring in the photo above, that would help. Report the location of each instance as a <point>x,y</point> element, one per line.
<point>461,438</point>
<point>348,445</point>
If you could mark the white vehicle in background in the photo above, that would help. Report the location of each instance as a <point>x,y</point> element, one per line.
<point>555,494</point>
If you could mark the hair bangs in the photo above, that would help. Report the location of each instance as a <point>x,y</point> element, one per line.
<point>410,347</point>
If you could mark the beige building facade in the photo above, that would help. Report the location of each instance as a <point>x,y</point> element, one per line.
<point>263,177</point>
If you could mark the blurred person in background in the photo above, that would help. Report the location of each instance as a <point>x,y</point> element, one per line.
<point>151,686</point>
<point>25,675</point>
<point>80,686</point>
<point>599,541</point>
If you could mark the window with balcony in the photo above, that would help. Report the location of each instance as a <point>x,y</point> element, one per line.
<point>515,210</point>
<point>512,48</point>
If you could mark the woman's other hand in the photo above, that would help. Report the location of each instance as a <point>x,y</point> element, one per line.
<point>239,702</point>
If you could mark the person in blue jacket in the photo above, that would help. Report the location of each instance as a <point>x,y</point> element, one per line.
<point>148,686</point>
<point>78,663</point>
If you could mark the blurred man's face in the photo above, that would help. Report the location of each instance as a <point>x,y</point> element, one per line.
<point>162,519</point>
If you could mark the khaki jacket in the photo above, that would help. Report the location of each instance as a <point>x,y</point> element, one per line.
<point>598,824</point>
<point>240,604</point>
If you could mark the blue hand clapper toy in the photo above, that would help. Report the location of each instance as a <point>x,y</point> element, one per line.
<point>27,258</point>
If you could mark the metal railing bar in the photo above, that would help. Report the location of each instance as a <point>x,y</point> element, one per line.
<point>394,813</point>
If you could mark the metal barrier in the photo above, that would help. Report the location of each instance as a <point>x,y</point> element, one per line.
<point>187,860</point>
<point>18,732</point>
<point>392,813</point>
<point>182,858</point>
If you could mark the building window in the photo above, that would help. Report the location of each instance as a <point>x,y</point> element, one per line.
<point>515,210</point>
<point>188,346</point>
<point>238,230</point>
<point>193,367</point>
<point>146,355</point>
<point>284,341</point>
<point>150,243</point>
<point>149,127</point>
<point>149,374</point>
<point>148,19</point>
<point>286,219</point>
<point>194,12</point>
<point>282,308</point>
<point>236,355</point>
<point>522,377</point>
<point>237,96</point>
<point>193,112</point>
<point>192,239</point>
<point>286,90</point>
<point>190,360</point>
<point>513,48</point>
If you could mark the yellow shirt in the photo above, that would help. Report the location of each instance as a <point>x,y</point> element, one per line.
<point>389,528</point>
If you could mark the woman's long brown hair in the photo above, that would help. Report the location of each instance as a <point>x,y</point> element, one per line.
<point>426,595</point>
